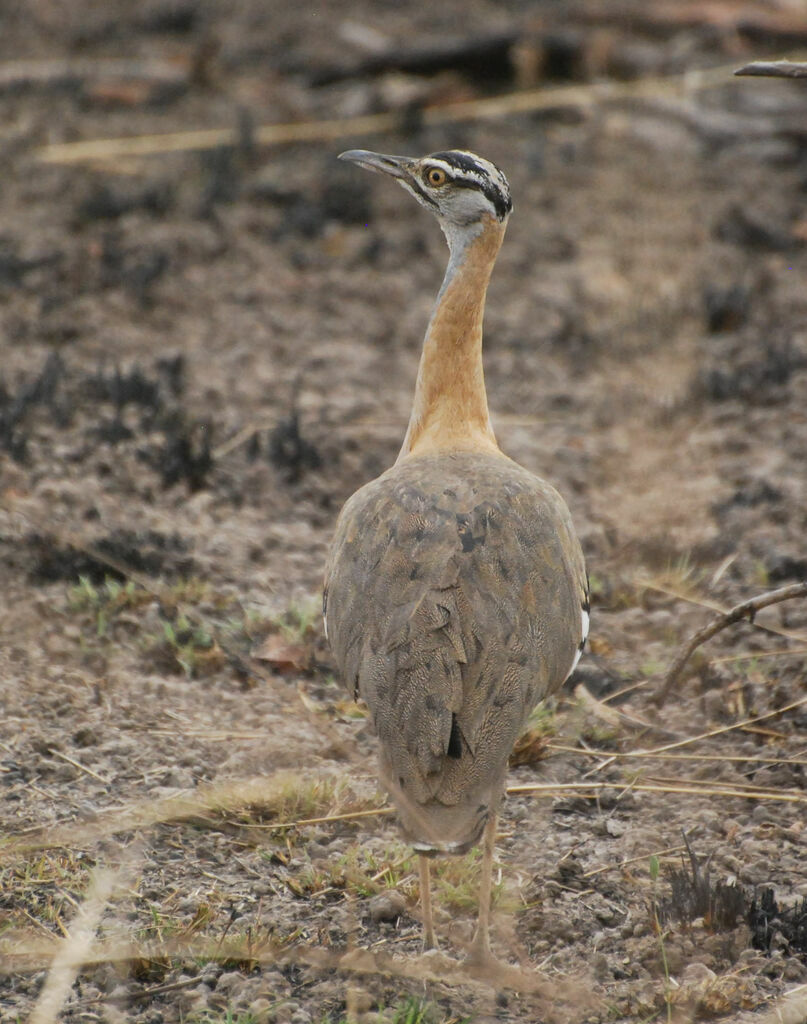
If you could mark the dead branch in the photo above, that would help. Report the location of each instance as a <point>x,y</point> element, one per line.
<point>520,102</point>
<point>774,69</point>
<point>745,608</point>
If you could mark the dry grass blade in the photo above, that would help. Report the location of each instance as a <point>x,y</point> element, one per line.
<point>615,717</point>
<point>728,659</point>
<point>645,857</point>
<point>432,968</point>
<point>729,728</point>
<point>651,755</point>
<point>271,792</point>
<point>74,949</point>
<point>740,611</point>
<point>210,735</point>
<point>374,812</point>
<point>707,784</point>
<point>77,764</point>
<point>262,791</point>
<point>354,127</point>
<point>684,786</point>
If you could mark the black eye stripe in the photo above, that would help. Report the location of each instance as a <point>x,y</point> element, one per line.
<point>501,204</point>
<point>416,188</point>
<point>469,173</point>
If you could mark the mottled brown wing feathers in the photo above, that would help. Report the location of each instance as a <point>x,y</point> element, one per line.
<point>453,605</point>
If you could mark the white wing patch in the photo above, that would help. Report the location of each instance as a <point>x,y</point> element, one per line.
<point>586,619</point>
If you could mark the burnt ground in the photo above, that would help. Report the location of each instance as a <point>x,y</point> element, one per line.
<point>204,353</point>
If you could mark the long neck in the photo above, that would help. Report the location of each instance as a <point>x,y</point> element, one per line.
<point>450,408</point>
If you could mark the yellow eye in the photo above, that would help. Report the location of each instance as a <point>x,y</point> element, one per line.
<point>436,177</point>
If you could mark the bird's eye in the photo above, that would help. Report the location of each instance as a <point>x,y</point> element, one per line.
<point>435,176</point>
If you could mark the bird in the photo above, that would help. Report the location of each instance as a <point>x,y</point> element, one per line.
<point>456,596</point>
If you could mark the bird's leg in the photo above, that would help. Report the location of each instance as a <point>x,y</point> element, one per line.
<point>479,951</point>
<point>426,903</point>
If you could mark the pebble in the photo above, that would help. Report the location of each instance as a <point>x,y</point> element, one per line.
<point>601,967</point>
<point>228,980</point>
<point>387,906</point>
<point>210,974</point>
<point>261,1010</point>
<point>697,974</point>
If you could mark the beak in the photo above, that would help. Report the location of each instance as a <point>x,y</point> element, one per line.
<point>395,166</point>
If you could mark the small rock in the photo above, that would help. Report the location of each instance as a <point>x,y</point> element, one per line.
<point>228,980</point>
<point>261,1010</point>
<point>697,974</point>
<point>601,968</point>
<point>86,736</point>
<point>210,974</point>
<point>387,906</point>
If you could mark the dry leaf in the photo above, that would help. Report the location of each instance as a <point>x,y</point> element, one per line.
<point>283,656</point>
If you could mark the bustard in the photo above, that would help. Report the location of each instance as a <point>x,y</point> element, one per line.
<point>455,593</point>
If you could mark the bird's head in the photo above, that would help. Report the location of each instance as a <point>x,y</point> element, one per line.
<point>460,188</point>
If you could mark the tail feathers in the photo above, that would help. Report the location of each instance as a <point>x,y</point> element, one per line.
<point>436,828</point>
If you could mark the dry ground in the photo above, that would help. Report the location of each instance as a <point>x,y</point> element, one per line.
<point>205,353</point>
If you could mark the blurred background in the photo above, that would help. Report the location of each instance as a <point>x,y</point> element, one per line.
<point>209,334</point>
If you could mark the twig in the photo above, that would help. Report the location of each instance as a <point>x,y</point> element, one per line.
<point>77,764</point>
<point>632,860</point>
<point>520,102</point>
<point>347,816</point>
<point>774,69</point>
<point>138,997</point>
<point>735,614</point>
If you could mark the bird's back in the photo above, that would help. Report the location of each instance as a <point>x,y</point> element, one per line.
<point>455,601</point>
